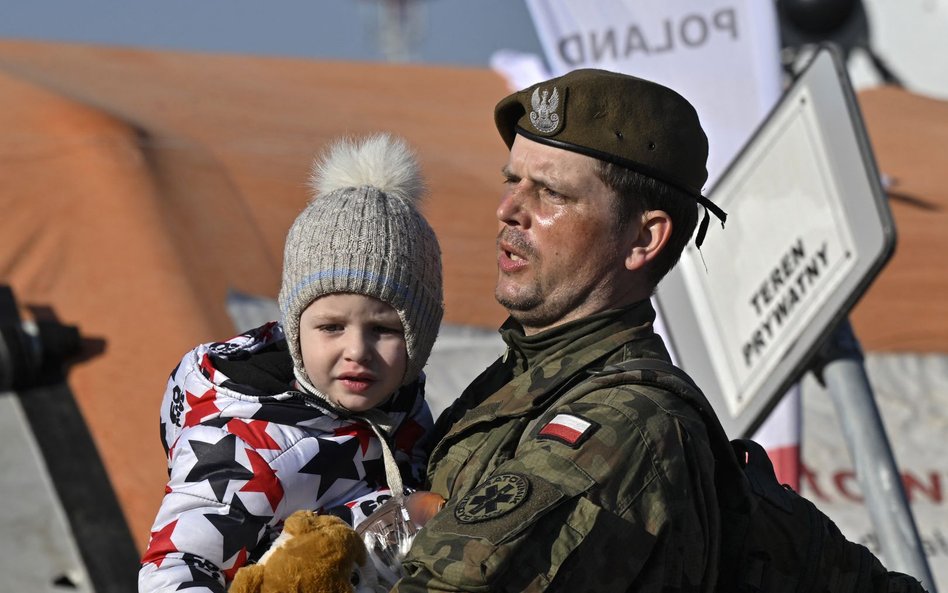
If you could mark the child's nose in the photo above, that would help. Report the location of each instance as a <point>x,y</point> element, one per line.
<point>357,346</point>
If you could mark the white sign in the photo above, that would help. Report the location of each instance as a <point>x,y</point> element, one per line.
<point>788,234</point>
<point>722,55</point>
<point>807,229</point>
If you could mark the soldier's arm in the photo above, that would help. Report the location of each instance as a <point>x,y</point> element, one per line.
<point>615,494</point>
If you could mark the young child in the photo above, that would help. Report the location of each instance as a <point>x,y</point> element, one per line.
<point>325,411</point>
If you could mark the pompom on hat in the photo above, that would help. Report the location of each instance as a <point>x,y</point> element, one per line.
<point>362,233</point>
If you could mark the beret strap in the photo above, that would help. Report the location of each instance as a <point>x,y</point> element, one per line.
<point>709,206</point>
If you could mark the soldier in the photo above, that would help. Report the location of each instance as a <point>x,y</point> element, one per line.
<point>613,491</point>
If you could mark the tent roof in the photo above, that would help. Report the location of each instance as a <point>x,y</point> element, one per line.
<point>138,187</point>
<point>904,310</point>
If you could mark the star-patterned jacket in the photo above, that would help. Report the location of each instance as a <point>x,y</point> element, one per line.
<point>244,452</point>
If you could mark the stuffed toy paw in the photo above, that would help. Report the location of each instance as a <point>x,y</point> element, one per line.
<point>314,554</point>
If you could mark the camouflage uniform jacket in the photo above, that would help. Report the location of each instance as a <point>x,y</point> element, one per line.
<point>613,491</point>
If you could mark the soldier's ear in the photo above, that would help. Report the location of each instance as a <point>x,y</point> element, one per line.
<point>648,238</point>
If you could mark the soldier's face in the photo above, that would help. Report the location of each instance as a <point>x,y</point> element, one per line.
<point>559,250</point>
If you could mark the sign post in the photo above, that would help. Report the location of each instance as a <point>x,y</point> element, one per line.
<point>840,368</point>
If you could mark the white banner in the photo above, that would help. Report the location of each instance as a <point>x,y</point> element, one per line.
<point>911,391</point>
<point>723,55</point>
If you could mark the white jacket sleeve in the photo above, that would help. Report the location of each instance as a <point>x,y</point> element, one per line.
<point>205,528</point>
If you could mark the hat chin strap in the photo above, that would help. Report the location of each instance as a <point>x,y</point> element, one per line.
<point>378,421</point>
<point>382,426</point>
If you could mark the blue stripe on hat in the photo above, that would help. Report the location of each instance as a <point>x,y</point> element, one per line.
<point>349,273</point>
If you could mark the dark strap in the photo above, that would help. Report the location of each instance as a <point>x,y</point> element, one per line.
<point>730,481</point>
<point>652,364</point>
<point>694,397</point>
<point>760,473</point>
<point>706,219</point>
<point>732,485</point>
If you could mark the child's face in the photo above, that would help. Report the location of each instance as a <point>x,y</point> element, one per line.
<point>353,349</point>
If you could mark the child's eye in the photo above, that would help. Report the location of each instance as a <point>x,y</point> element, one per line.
<point>329,327</point>
<point>384,329</point>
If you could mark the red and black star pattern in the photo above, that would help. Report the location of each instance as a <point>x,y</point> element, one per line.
<point>239,465</point>
<point>217,464</point>
<point>254,433</point>
<point>332,461</point>
<point>160,544</point>
<point>201,407</point>
<point>239,527</point>
<point>264,480</point>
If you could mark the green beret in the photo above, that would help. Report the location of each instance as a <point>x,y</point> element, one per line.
<point>613,117</point>
<point>617,118</point>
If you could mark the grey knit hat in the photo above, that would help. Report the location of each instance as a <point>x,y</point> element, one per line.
<point>362,233</point>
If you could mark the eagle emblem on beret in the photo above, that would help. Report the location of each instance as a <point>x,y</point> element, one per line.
<point>544,117</point>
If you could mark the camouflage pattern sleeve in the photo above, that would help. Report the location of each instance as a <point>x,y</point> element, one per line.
<point>612,492</point>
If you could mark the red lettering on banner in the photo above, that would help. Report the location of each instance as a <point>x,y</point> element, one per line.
<point>919,487</point>
<point>912,485</point>
<point>841,480</point>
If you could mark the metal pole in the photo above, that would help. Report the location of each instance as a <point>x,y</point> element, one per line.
<point>844,375</point>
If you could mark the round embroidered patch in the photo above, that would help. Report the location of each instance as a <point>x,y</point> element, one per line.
<point>497,496</point>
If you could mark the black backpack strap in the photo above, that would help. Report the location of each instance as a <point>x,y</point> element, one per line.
<point>760,473</point>
<point>737,572</point>
<point>694,396</point>
<point>729,475</point>
<point>732,485</point>
<point>652,364</point>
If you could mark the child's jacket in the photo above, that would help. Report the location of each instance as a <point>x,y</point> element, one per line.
<point>240,460</point>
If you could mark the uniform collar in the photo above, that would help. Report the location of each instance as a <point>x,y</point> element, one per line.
<point>539,349</point>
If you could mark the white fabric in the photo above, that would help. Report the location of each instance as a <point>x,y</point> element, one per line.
<point>723,55</point>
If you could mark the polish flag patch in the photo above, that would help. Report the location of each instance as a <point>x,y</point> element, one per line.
<point>567,428</point>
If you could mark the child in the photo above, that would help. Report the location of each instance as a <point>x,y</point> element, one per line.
<point>302,415</point>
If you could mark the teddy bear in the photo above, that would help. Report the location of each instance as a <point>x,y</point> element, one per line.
<point>323,554</point>
<point>314,554</point>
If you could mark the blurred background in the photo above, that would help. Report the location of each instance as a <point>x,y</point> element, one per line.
<point>154,154</point>
<point>908,37</point>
